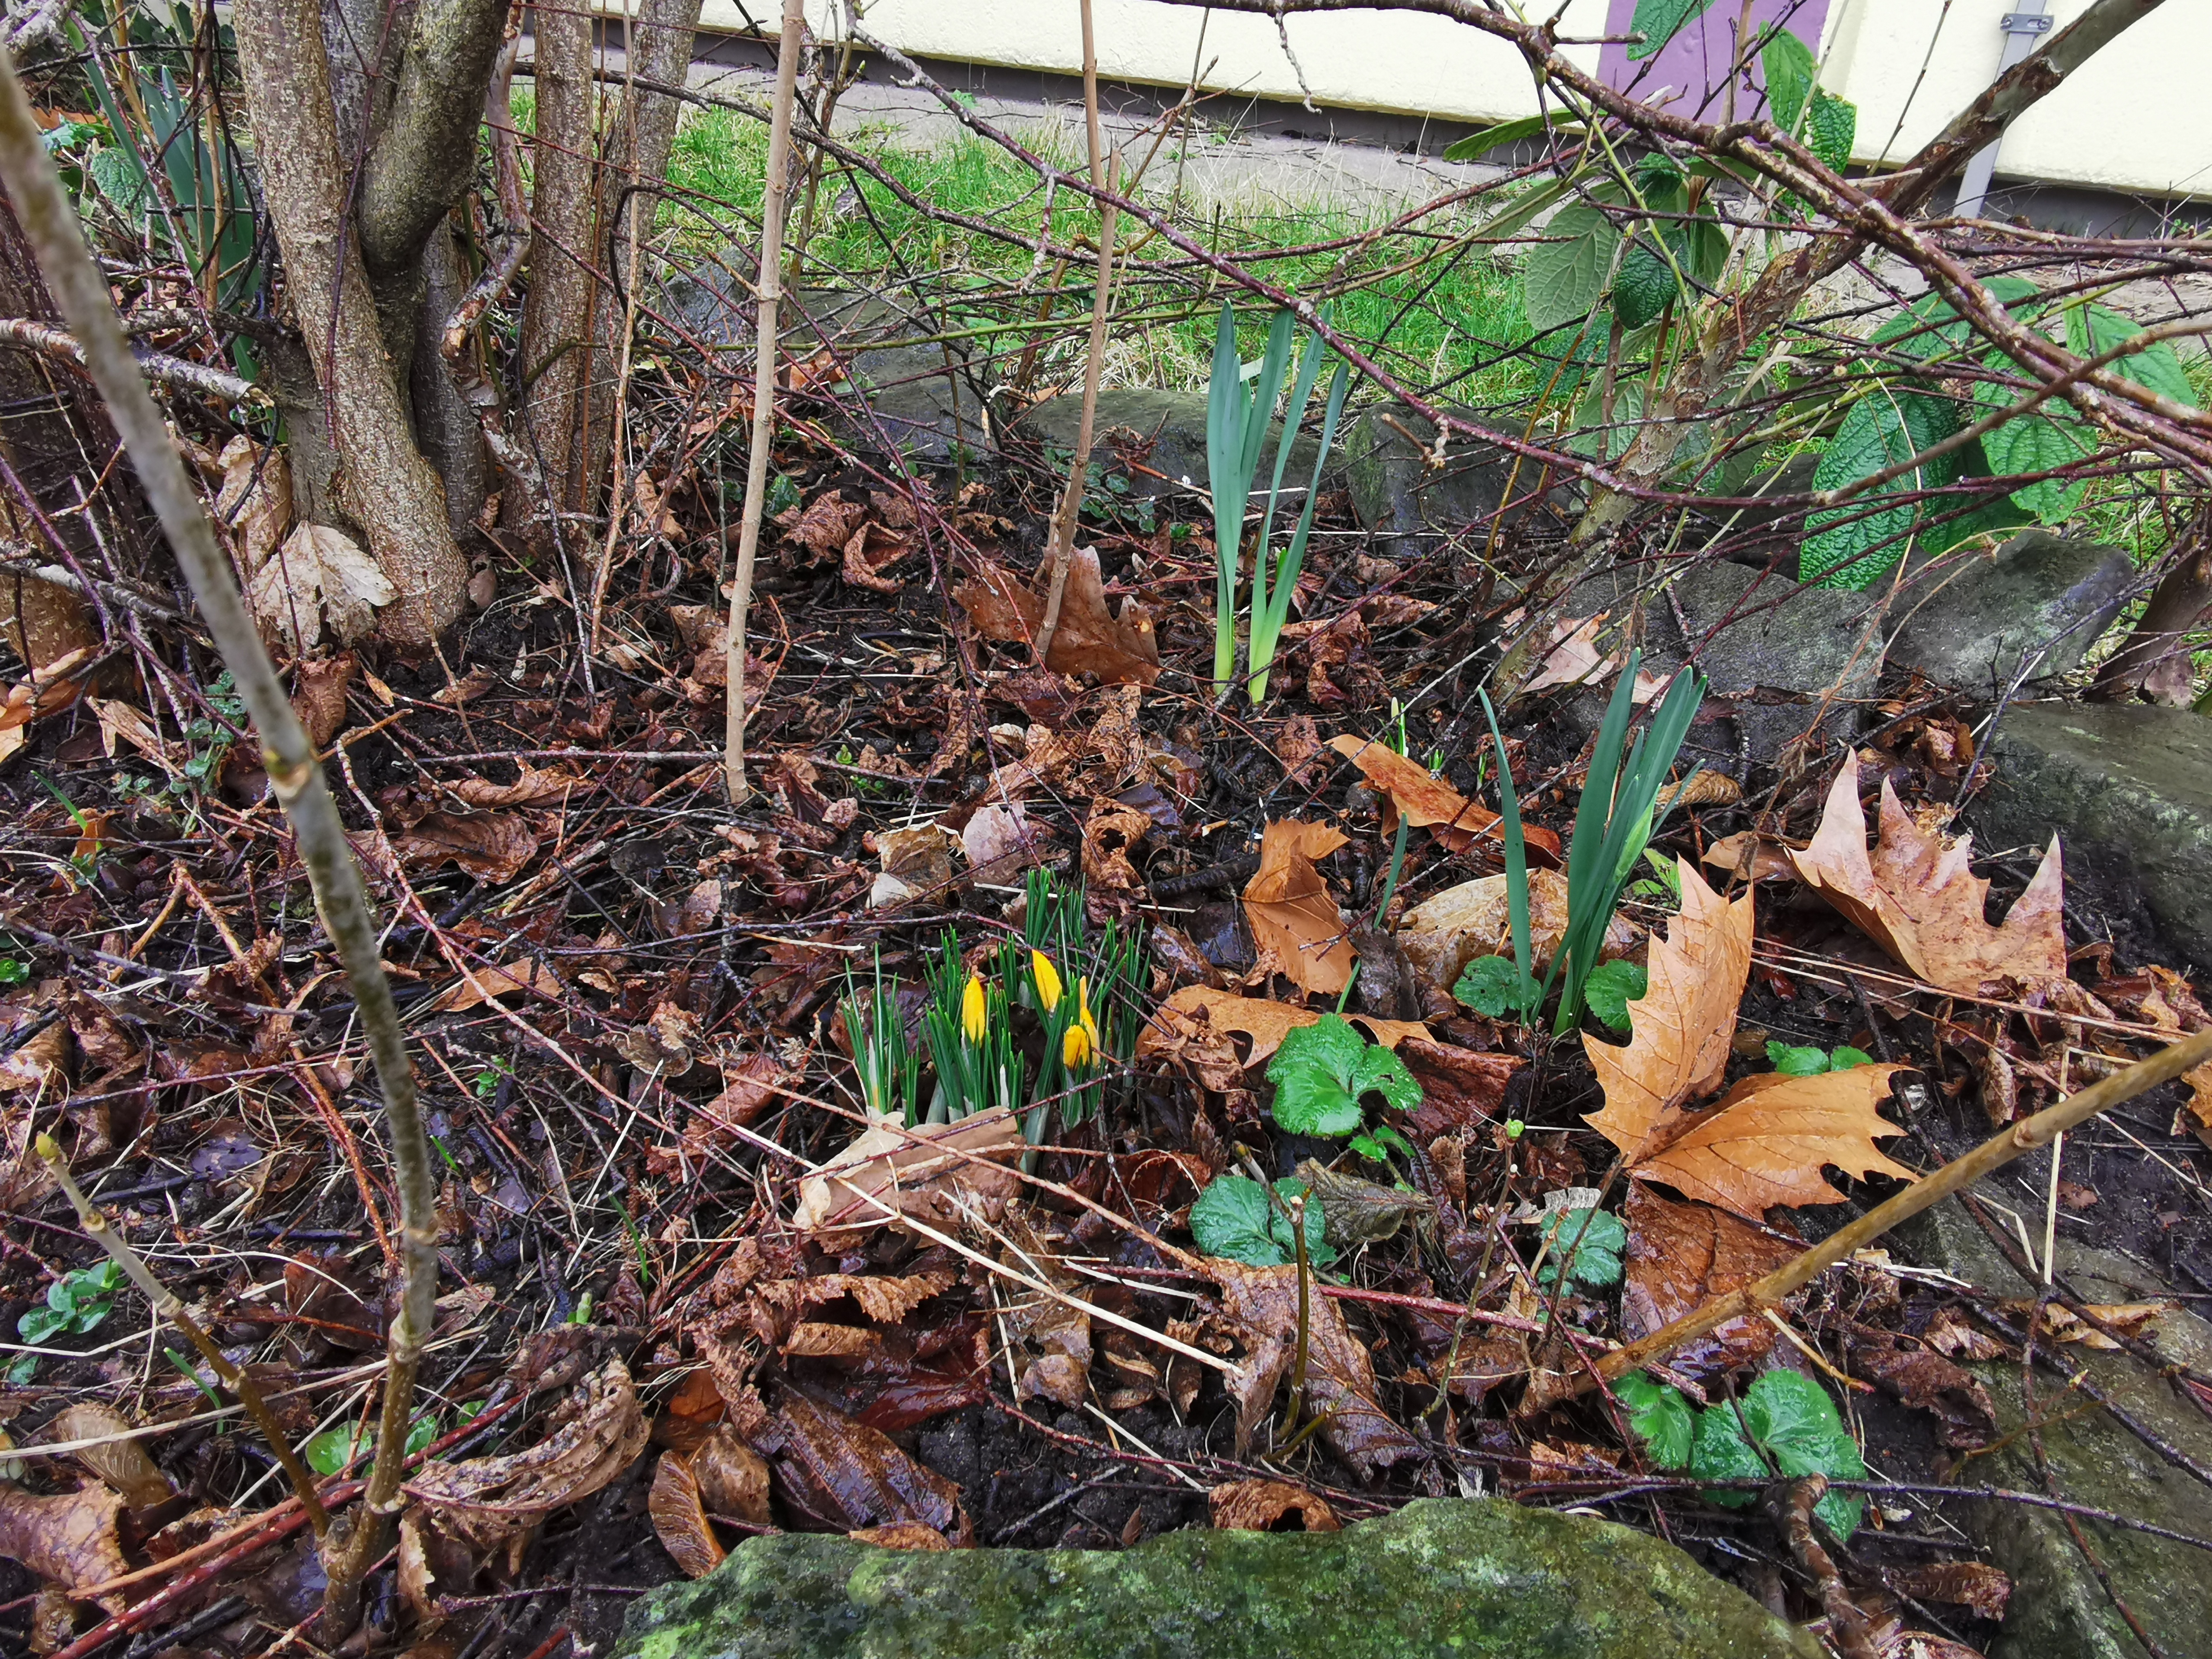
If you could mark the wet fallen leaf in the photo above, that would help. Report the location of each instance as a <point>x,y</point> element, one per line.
<point>123,1463</point>
<point>1460,1088</point>
<point>1680,1256</point>
<point>732,1478</point>
<point>826,525</point>
<point>1928,1382</point>
<point>532,789</point>
<point>1293,918</point>
<point>871,551</point>
<point>1764,1144</point>
<point>1571,656</point>
<point>927,1170</point>
<point>70,1539</point>
<point>843,1475</point>
<point>1769,859</point>
<point>1049,1341</point>
<point>1441,935</point>
<point>917,864</point>
<point>255,500</point>
<point>478,985</point>
<point>320,580</point>
<point>320,698</point>
<point>1110,833</point>
<point>1269,1506</point>
<point>2127,1318</point>
<point>679,1518</point>
<point>1120,650</point>
<point>1915,897</point>
<point>1201,1026</point>
<point>493,847</point>
<point>689,1414</point>
<point>1261,1304</point>
<point>1974,1584</point>
<point>901,1536</point>
<point>1000,842</point>
<point>1430,803</point>
<point>1950,1333</point>
<point>598,1432</point>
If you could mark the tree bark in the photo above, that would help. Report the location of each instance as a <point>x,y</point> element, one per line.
<point>557,310</point>
<point>384,485</point>
<point>2155,662</point>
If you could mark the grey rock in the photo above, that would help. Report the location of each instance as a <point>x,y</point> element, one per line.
<point>2059,1610</point>
<point>1463,1578</point>
<point>2130,778</point>
<point>1412,507</point>
<point>1773,650</point>
<point>1154,443</point>
<point>2039,603</point>
<point>925,401</point>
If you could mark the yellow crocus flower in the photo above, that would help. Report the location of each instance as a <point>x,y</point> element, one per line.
<point>973,1010</point>
<point>1076,1048</point>
<point>1047,980</point>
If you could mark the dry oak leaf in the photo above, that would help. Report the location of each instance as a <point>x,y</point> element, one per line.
<point>1915,897</point>
<point>319,576</point>
<point>599,1431</point>
<point>1200,1026</point>
<point>1269,1506</point>
<point>70,1539</point>
<point>1430,803</point>
<point>929,1170</point>
<point>319,697</point>
<point>1261,1304</point>
<point>1294,919</point>
<point>1091,639</point>
<point>1764,1144</point>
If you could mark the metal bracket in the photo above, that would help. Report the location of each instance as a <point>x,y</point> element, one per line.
<point>2025,22</point>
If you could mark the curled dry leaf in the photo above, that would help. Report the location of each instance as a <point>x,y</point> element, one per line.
<point>478,985</point>
<point>2127,1318</point>
<point>1047,1338</point>
<point>1261,1304</point>
<point>1293,918</point>
<point>1110,833</point>
<point>901,1536</point>
<point>532,789</point>
<point>929,1171</point>
<point>1915,896</point>
<point>679,1518</point>
<point>319,697</point>
<point>1750,855</point>
<point>869,552</point>
<point>1765,1143</point>
<point>1269,1506</point>
<point>1927,1382</point>
<point>1441,935</point>
<point>842,1475</point>
<point>255,500</point>
<point>689,1414</point>
<point>68,1539</point>
<point>1974,1584</point>
<point>598,1432</point>
<point>1430,803</point>
<point>749,1087</point>
<point>1120,650</point>
<point>493,847</point>
<point>917,863</point>
<point>122,1462</point>
<point>1570,657</point>
<point>320,580</point>
<point>732,1478</point>
<point>1201,1026</point>
<point>1681,1256</point>
<point>1000,841</point>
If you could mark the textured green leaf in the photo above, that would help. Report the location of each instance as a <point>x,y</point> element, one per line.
<point>1845,550</point>
<point>1659,21</point>
<point>1790,1419</point>
<point>1719,1451</point>
<point>1595,1260</point>
<point>1610,987</point>
<point>1660,1417</point>
<point>1846,1058</point>
<point>1791,69</point>
<point>2036,442</point>
<point>1494,987</point>
<point>1796,1062</point>
<point>1645,286</point>
<point>2092,330</point>
<point>1564,278</point>
<point>1323,1070</point>
<point>1830,125</point>
<point>1476,145</point>
<point>1996,514</point>
<point>1233,1217</point>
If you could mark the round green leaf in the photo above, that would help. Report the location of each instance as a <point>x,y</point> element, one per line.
<point>1564,276</point>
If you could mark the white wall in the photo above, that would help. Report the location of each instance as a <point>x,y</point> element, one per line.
<point>2137,118</point>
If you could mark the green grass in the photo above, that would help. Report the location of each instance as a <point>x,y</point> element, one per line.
<point>1430,324</point>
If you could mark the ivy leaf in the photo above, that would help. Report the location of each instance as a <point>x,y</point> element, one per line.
<point>1610,987</point>
<point>1659,1417</point>
<point>1791,69</point>
<point>1233,1218</point>
<point>1789,1416</point>
<point>1831,127</point>
<point>1321,1072</point>
<point>1596,1260</point>
<point>1659,21</point>
<point>1796,1063</point>
<point>1496,988</point>
<point>1564,276</point>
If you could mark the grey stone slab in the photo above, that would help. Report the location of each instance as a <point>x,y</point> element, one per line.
<point>1154,442</point>
<point>1468,1579</point>
<point>2132,778</point>
<point>2037,604</point>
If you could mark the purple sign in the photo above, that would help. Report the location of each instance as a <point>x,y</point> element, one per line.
<point>1688,75</point>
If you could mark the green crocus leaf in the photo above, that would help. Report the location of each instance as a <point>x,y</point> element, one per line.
<point>1596,1258</point>
<point>1659,1417</point>
<point>1233,1218</point>
<point>1796,1063</point>
<point>1610,987</point>
<point>1324,1070</point>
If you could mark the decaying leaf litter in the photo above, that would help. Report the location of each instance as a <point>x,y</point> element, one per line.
<point>705,1273</point>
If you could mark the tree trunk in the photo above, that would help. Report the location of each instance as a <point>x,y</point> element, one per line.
<point>2156,661</point>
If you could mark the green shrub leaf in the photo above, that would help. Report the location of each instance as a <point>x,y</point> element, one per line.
<point>1831,127</point>
<point>1321,1072</point>
<point>1476,145</point>
<point>1564,276</point>
<point>1233,1218</point>
<point>1790,1419</point>
<point>1791,69</point>
<point>1851,545</point>
<point>1610,987</point>
<point>1645,286</point>
<point>1595,1260</point>
<point>1659,21</point>
<point>2092,331</point>
<point>1796,1063</point>
<point>1659,1417</point>
<point>1493,988</point>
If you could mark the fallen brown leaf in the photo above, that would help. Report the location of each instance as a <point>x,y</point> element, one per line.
<point>1269,1506</point>
<point>925,1170</point>
<point>1460,1088</point>
<point>749,1087</point>
<point>679,1519</point>
<point>2127,1318</point>
<point>871,551</point>
<point>901,1536</point>
<point>1120,650</point>
<point>532,789</point>
<point>599,1431</point>
<point>1442,934</point>
<point>1262,1304</point>
<point>1200,1026</point>
<point>1915,897</point>
<point>1764,1144</point>
<point>478,985</point>
<point>123,1463</point>
<point>70,1539</point>
<point>843,1475</point>
<point>1769,858</point>
<point>1974,1584</point>
<point>1294,919</point>
<point>1430,803</point>
<point>255,500</point>
<point>1681,1256</point>
<point>1110,833</point>
<point>689,1414</point>
<point>493,847</point>
<point>733,1479</point>
<point>1928,1382</point>
<point>320,698</point>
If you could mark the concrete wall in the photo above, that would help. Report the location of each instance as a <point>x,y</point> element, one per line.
<point>2136,119</point>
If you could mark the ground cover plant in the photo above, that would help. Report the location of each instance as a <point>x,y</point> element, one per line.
<point>1337,1009</point>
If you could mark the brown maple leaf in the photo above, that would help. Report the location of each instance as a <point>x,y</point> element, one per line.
<point>1764,1143</point>
<point>1915,897</point>
<point>1121,649</point>
<point>1430,803</point>
<point>1293,918</point>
